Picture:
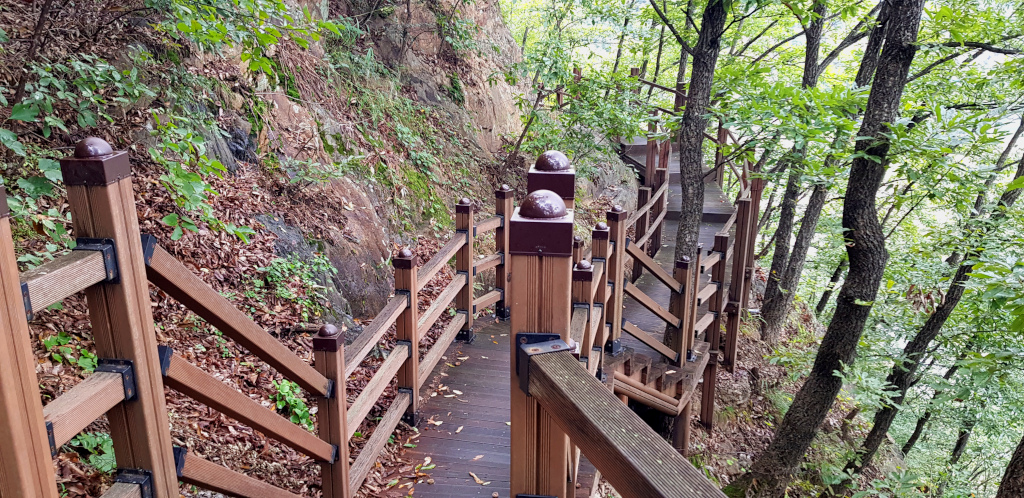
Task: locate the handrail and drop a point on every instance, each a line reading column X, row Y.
column 74, row 410
column 488, row 262
column 430, row 360
column 489, row 224
column 179, row 282
column 65, row 276
column 361, row 407
column 634, row 459
column 215, row 477
column 655, row 199
column 427, row 271
column 655, row 225
column 441, row 303
column 364, row 462
column 371, row 335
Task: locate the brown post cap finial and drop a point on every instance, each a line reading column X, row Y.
column 617, row 208
column 92, row 147
column 543, row 204
column 577, row 239
column 405, row 253
column 328, row 330
column 95, row 164
column 504, row 192
column 683, row 262
column 464, row 200
column 403, row 260
column 584, row 265
column 601, row 226
column 552, row 160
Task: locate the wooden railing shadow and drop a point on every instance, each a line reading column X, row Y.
column 112, row 263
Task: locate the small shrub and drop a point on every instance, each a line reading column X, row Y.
column 289, row 403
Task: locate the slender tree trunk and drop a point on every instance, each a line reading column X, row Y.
column 922, row 421
column 1012, row 485
column 962, row 438
column 836, row 275
column 775, row 467
column 693, row 125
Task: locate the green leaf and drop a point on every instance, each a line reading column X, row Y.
column 10, row 140
column 24, row 112
column 170, row 220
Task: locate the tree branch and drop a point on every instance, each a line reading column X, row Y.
column 679, row 38
column 979, row 45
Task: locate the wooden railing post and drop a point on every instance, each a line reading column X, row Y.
column 642, row 224
column 674, row 336
column 99, row 186
column 541, row 248
column 713, row 334
column 600, row 248
column 26, row 467
column 503, row 198
column 577, row 249
column 616, row 276
column 738, row 283
column 464, row 265
column 553, row 171
column 406, row 330
column 756, row 188
column 329, row 359
column 582, row 297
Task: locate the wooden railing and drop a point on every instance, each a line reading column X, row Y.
column 112, row 263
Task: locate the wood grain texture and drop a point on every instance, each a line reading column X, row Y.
column 430, row 359
column 123, row 490
column 634, row 390
column 464, row 265
column 616, row 277
column 74, row 410
column 653, row 267
column 25, row 464
column 332, row 423
column 655, row 224
column 713, row 334
column 447, row 252
column 633, row 291
column 371, row 334
column 578, row 325
column 503, row 201
column 189, row 380
column 368, row 457
column 703, row 324
column 215, row 477
column 488, row 224
column 630, row 455
column 65, row 276
column 179, row 282
column 371, row 393
column 122, row 326
column 706, row 293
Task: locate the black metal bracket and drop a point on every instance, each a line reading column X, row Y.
column 410, row 418
column 127, row 370
column 691, row 356
column 407, row 294
column 408, row 347
column 107, row 249
column 164, row 353
column 148, row 246
column 466, row 233
column 334, row 454
column 533, row 344
column 466, row 335
column 26, row 300
column 143, row 478
column 501, row 312
column 52, row 441
column 613, row 348
column 179, row 460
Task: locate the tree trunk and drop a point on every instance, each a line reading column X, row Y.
column 1013, row 479
column 962, row 438
column 836, row 275
column 866, row 249
column 693, row 125
column 905, row 368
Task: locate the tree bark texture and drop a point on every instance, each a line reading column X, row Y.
column 866, row 249
column 837, row 274
column 1012, row 485
column 694, row 122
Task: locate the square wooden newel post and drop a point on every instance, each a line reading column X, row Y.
column 99, row 184
column 616, row 276
column 329, row 358
column 503, row 198
column 26, row 467
column 553, row 172
column 464, row 266
column 583, row 297
column 406, row 329
column 676, row 337
column 541, row 249
column 599, row 257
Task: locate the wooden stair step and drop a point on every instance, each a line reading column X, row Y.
column 653, row 377
column 637, row 365
column 684, row 380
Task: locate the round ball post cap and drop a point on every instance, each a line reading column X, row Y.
column 92, row 147
column 601, row 226
column 328, row 330
column 577, row 238
column 505, row 187
column 405, row 253
column 464, row 201
column 584, row 265
column 543, row 204
column 616, row 208
column 552, row 160
column 685, row 259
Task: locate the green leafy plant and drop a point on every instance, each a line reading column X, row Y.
column 297, row 280
column 97, row 448
column 288, row 400
column 62, row 351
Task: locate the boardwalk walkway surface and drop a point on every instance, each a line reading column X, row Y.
column 469, row 394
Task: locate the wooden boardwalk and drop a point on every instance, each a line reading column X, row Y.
column 469, row 391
